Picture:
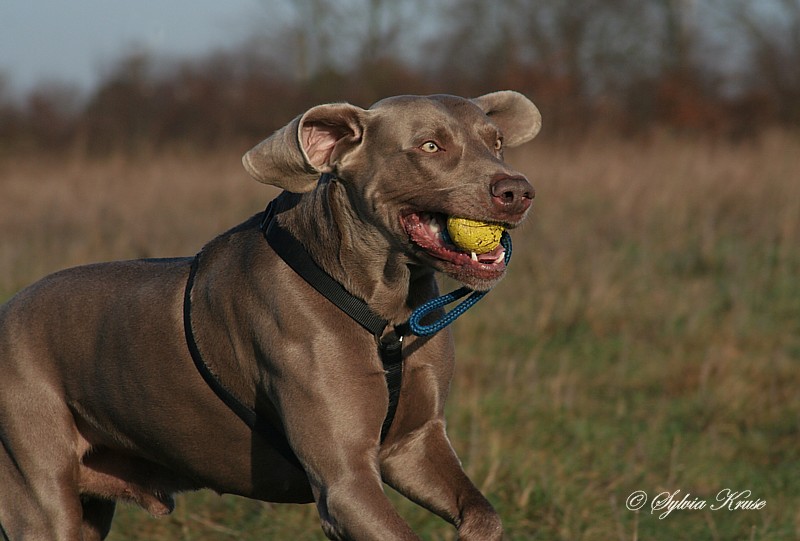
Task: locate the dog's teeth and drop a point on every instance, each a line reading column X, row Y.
column 434, row 227
column 474, row 257
column 500, row 257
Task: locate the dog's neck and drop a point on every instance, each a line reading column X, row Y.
column 353, row 252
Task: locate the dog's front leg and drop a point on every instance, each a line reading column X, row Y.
column 353, row 506
column 424, row 467
column 333, row 429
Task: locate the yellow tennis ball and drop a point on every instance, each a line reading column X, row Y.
column 474, row 236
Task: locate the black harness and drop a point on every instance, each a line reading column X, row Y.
column 390, row 345
column 256, row 423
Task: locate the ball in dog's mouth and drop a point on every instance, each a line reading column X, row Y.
column 428, row 232
column 474, row 236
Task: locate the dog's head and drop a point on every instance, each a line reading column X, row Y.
column 410, row 162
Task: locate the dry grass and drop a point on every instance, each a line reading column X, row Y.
column 646, row 338
column 59, row 213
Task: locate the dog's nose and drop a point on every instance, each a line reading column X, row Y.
column 512, row 195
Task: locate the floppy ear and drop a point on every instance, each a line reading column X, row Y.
column 314, row 143
column 515, row 115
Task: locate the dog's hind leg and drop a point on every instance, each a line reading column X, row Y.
column 38, row 503
column 38, row 465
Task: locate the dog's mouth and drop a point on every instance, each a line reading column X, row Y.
column 428, row 231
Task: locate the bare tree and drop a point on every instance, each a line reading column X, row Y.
column 772, row 30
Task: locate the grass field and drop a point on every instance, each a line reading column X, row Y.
column 647, row 336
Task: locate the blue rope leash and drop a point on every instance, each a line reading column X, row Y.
column 432, row 305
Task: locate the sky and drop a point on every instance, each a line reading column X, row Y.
column 72, row 41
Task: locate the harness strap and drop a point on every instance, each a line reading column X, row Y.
column 390, row 347
column 296, row 256
column 391, row 352
column 257, row 424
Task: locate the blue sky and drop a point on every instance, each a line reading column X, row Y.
column 73, row 40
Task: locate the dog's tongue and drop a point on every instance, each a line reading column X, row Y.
column 493, row 255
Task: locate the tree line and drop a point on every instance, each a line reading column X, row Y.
column 720, row 67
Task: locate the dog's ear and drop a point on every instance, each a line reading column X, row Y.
column 316, row 142
column 516, row 116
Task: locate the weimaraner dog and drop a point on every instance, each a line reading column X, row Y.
column 135, row 380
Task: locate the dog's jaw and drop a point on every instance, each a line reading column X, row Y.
column 430, row 244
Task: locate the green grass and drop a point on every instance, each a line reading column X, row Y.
column 647, row 337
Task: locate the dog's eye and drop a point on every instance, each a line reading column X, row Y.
column 498, row 145
column 430, row 146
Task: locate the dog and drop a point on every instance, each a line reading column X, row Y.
column 231, row 371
